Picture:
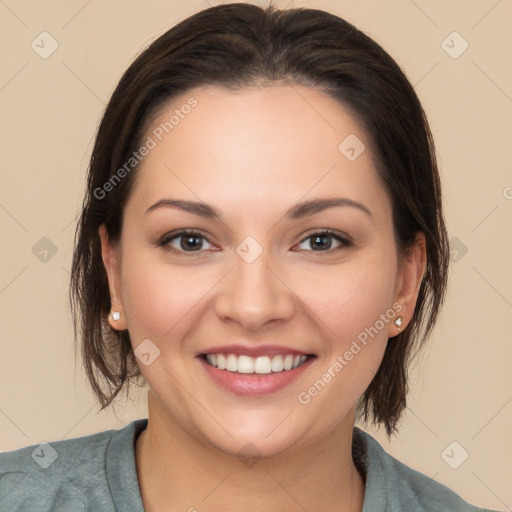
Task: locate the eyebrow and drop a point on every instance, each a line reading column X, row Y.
column 298, row 211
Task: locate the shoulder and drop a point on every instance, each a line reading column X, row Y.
column 396, row 487
column 71, row 474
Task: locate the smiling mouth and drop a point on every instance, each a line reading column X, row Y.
column 261, row 365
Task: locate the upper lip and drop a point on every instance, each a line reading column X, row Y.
column 254, row 350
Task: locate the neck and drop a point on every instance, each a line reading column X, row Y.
column 179, row 472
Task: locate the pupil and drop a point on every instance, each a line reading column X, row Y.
column 186, row 245
column 321, row 244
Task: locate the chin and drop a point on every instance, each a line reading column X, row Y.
column 271, row 433
column 258, row 445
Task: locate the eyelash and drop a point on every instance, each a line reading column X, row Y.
column 166, row 239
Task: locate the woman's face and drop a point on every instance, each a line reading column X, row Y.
column 259, row 283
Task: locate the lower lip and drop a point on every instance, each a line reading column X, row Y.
column 253, row 384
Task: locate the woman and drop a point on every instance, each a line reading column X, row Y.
column 262, row 242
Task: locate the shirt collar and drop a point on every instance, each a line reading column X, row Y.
column 121, row 468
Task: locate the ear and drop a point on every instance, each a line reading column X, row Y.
column 410, row 275
column 112, row 262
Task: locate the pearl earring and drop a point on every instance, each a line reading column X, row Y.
column 398, row 322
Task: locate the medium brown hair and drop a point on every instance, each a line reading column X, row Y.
column 234, row 46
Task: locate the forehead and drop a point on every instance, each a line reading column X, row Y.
column 262, row 144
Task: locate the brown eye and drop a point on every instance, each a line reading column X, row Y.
column 184, row 241
column 323, row 241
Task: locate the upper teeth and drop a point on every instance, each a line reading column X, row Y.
column 261, row 365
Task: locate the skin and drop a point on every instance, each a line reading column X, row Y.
column 252, row 155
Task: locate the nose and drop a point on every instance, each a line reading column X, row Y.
column 254, row 295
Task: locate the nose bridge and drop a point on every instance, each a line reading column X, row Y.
column 253, row 294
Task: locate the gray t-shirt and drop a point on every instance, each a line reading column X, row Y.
column 97, row 473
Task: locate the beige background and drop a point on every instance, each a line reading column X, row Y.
column 461, row 386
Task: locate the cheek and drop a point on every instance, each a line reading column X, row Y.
column 351, row 298
column 354, row 305
column 158, row 297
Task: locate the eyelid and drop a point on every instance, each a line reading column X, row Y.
column 343, row 236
